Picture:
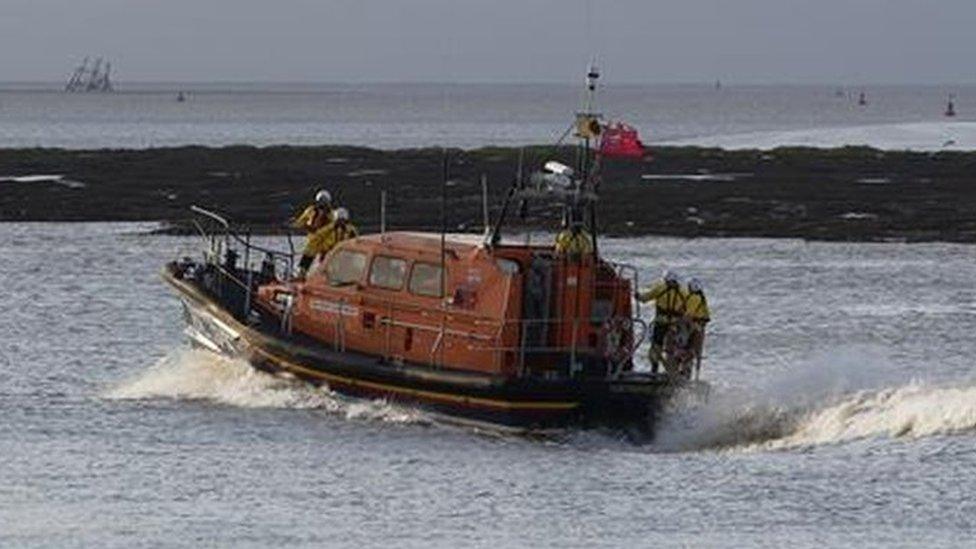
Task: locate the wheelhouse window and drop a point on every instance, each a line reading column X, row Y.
column 388, row 272
column 425, row 279
column 507, row 266
column 345, row 267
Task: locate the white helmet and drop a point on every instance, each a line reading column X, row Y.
column 694, row 285
column 340, row 214
column 323, row 197
column 671, row 277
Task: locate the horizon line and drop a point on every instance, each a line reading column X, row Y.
column 611, row 84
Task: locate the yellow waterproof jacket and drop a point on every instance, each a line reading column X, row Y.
column 324, row 239
column 668, row 300
column 312, row 219
column 696, row 307
column 579, row 243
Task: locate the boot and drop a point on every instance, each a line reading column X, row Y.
column 304, row 264
column 655, row 359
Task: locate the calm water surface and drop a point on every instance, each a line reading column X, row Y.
column 416, row 115
column 843, row 415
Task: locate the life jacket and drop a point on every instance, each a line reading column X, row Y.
column 312, row 218
column 669, row 301
column 344, row 232
column 696, row 307
column 323, row 240
column 579, row 243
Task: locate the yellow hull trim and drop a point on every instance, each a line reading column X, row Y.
column 494, row 403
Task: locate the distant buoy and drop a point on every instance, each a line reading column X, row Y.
column 862, row 99
column 180, row 97
column 950, row 108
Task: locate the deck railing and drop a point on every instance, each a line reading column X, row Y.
column 219, row 243
column 492, row 340
column 496, row 336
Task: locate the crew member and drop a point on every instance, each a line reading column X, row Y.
column 669, row 303
column 313, row 218
column 696, row 311
column 323, row 240
column 317, row 214
column 574, row 242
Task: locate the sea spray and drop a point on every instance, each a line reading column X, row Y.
column 194, row 374
column 200, row 375
column 914, row 410
column 803, row 406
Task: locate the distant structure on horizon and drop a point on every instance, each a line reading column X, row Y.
column 91, row 77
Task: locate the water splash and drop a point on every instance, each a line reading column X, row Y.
column 827, row 401
column 912, row 411
column 193, row 374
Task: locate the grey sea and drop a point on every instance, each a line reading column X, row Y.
column 843, row 414
column 389, row 116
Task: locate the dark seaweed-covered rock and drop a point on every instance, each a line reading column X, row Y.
column 849, row 193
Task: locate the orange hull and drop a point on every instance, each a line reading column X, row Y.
column 468, row 355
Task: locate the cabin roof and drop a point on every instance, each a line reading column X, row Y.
column 431, row 242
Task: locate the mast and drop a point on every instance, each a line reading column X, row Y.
column 574, row 187
column 588, row 129
column 93, row 77
column 74, row 83
column 105, row 84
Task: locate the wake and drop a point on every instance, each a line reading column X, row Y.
column 192, row 374
column 786, row 416
column 912, row 411
column 819, row 404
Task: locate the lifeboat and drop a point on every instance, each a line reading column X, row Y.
column 512, row 335
column 475, row 329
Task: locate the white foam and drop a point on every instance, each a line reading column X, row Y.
column 202, row 375
column 917, row 136
column 57, row 179
column 696, row 177
column 847, row 396
column 858, row 216
column 913, row 411
column 198, row 374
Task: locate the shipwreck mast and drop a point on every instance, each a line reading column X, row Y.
column 75, row 82
column 91, row 77
column 105, row 83
column 92, row 84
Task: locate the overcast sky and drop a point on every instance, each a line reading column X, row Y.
column 756, row 41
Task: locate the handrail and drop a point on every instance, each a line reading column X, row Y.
column 212, row 215
column 491, row 339
column 489, row 332
column 233, row 234
column 229, row 235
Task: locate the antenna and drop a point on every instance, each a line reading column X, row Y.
column 484, row 203
column 592, row 75
column 382, row 212
column 447, row 174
